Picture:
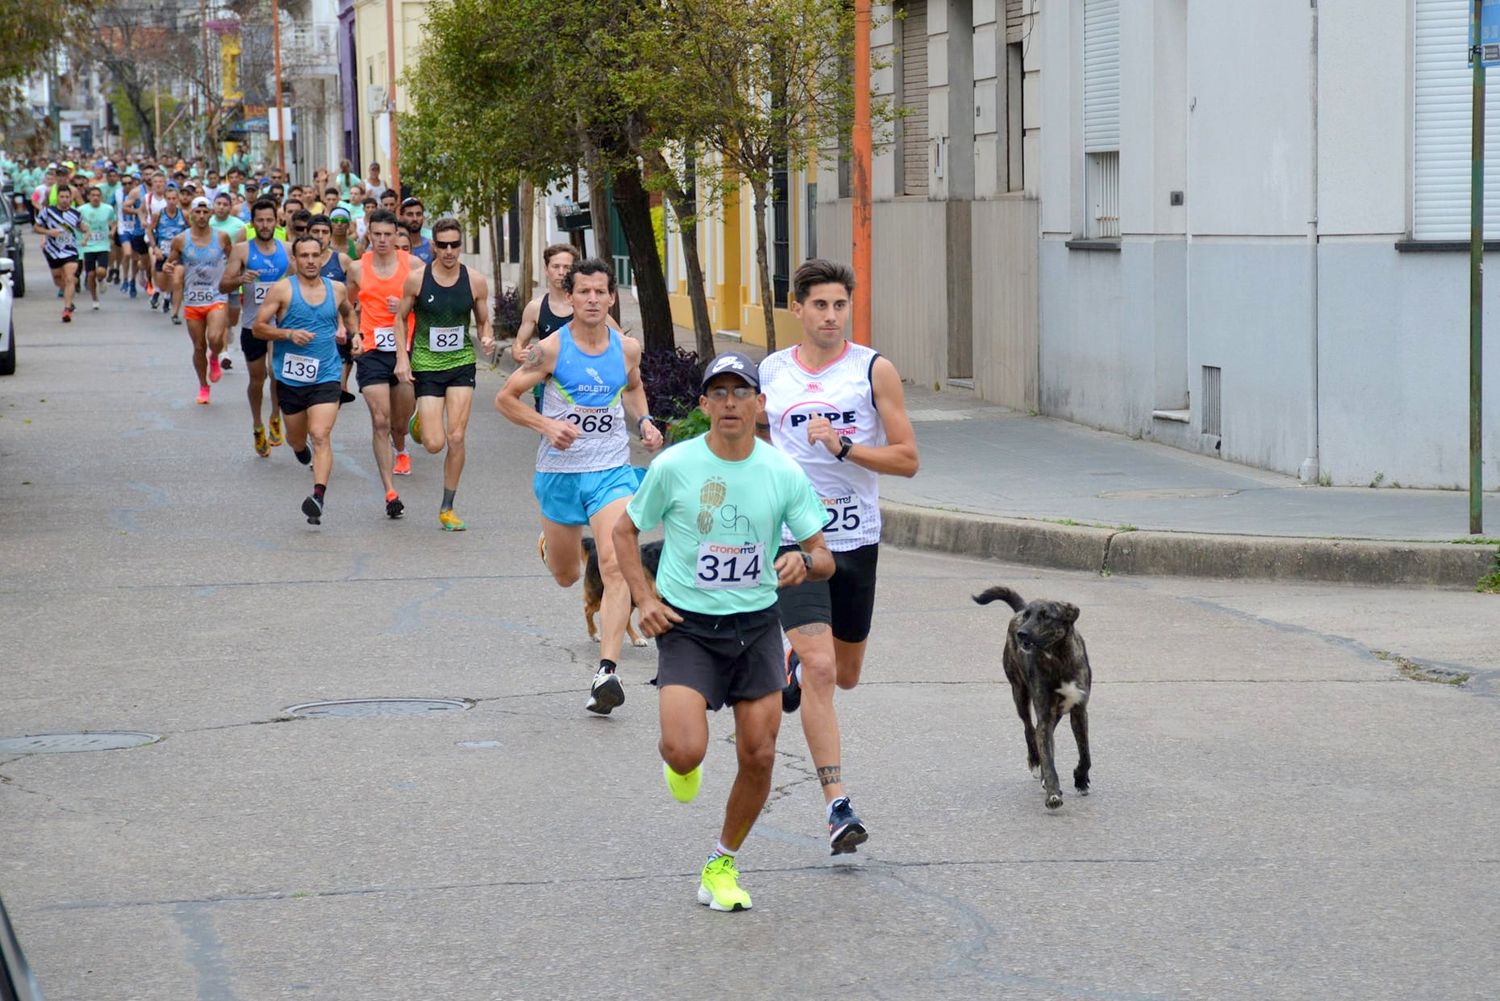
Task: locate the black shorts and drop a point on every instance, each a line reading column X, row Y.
column 255, row 349
column 138, row 243
column 846, row 601
column 119, row 239
column 56, row 263
column 295, row 399
column 437, row 383
column 724, row 658
column 96, row 260
column 376, row 368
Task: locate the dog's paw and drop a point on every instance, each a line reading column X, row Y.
column 638, row 641
column 1036, row 770
column 1054, row 800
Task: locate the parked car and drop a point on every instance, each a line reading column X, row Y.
column 7, row 321
column 15, row 223
column 17, row 982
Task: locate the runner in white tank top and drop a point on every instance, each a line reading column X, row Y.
column 839, row 410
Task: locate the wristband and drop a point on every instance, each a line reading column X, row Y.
column 639, row 421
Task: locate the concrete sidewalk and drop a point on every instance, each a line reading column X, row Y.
column 1037, row 490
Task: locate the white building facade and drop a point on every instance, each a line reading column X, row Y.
column 1254, row 224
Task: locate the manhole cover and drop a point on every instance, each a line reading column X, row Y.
column 64, row 743
column 366, row 708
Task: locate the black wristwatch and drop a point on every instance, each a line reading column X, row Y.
column 847, row 444
column 806, row 559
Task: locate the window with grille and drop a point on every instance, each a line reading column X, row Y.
column 911, row 61
column 1101, row 117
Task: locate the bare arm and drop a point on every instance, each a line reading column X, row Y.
column 790, row 570
column 898, row 456
column 479, row 287
column 278, row 297
column 346, row 307
column 527, row 330
column 522, row 381
column 656, row 616
column 234, row 269
column 410, row 289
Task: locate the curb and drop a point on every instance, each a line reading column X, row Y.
column 1186, row 554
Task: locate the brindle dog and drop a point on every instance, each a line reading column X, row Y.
column 593, row 586
column 1048, row 669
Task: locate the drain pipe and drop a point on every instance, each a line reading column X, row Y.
column 1310, row 470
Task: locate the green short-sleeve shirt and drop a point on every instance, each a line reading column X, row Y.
column 722, row 522
column 98, row 220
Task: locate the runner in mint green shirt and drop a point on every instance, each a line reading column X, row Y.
column 100, row 219
column 722, row 499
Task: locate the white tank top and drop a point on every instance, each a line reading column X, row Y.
column 841, row 392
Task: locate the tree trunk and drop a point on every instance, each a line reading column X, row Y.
column 634, row 205
column 526, row 209
column 687, row 223
column 763, row 264
column 497, row 258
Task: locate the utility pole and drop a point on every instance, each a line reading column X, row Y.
column 156, row 100
column 208, row 113
column 861, row 169
column 390, row 93
column 1476, row 283
column 280, row 118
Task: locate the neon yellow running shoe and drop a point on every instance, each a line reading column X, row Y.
column 450, row 521
column 684, row 788
column 719, row 888
column 262, row 449
column 414, row 427
column 275, row 436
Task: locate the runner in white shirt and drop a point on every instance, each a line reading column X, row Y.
column 839, row 410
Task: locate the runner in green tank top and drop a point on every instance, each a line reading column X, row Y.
column 441, row 363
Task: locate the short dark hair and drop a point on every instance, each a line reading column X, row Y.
column 302, row 216
column 589, row 266
column 263, row 205
column 446, row 223
column 558, row 248
column 293, row 200
column 304, row 238
column 382, row 216
column 332, row 189
column 224, row 195
column 820, row 271
column 320, row 220
column 411, row 200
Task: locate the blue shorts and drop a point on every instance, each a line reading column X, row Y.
column 574, row 498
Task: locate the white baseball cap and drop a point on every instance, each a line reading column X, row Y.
column 200, row 203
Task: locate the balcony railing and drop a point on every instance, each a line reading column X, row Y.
column 310, row 50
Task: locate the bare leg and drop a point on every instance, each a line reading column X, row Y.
column 755, row 727
column 457, row 403
column 378, row 399
column 614, row 610
column 403, row 404
column 814, row 646
column 684, row 728
column 200, row 350
column 319, row 425
column 257, row 388
column 69, row 282
column 564, row 551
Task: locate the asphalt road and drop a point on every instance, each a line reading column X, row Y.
column 1279, row 812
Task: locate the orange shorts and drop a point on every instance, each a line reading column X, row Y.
column 200, row 313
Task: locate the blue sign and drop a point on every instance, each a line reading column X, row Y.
column 1485, row 35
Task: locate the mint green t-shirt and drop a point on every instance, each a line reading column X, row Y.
column 98, row 220
column 722, row 522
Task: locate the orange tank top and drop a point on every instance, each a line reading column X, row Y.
column 376, row 318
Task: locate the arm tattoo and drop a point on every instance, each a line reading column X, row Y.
column 534, row 357
column 829, row 775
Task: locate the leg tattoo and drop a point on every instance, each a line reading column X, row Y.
column 829, row 775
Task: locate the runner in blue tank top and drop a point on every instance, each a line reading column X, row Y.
column 257, row 264
column 300, row 317
column 584, row 476
column 335, row 267
column 165, row 225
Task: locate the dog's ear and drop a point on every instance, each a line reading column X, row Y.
column 1069, row 612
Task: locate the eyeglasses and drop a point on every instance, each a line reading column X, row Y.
column 447, row 244
column 721, row 393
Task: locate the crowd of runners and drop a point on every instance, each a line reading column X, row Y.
column 764, row 593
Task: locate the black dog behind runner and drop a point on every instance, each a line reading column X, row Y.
column 1048, row 669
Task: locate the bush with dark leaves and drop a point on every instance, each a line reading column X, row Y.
column 671, row 379
column 508, row 306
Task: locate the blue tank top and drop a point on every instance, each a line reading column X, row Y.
column 168, row 226
column 129, row 225
column 203, row 270
column 318, row 360
column 334, row 269
column 423, row 251
column 265, row 270
column 585, row 390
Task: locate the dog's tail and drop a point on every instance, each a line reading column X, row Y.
column 1004, row 594
column 588, row 545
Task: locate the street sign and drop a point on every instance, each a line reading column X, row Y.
column 1488, row 35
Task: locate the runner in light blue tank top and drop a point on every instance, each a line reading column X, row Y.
column 317, row 361
column 584, row 390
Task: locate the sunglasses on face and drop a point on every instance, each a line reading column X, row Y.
column 447, row 244
column 721, row 393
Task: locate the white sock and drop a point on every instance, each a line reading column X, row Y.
column 798, row 672
column 719, row 850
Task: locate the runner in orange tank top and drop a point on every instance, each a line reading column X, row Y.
column 376, row 280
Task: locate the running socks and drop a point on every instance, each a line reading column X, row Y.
column 606, row 665
column 448, row 499
column 720, row 852
column 319, row 489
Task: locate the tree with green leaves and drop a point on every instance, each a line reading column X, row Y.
column 767, row 92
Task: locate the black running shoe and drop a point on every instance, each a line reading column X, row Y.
column 845, row 832
column 791, row 692
column 393, row 506
column 304, row 456
column 313, row 508
column 606, row 694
